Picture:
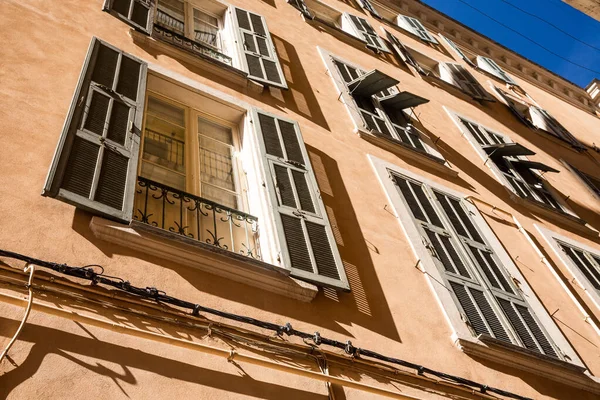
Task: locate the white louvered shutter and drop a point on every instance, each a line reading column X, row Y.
column 542, row 120
column 416, row 27
column 366, row 32
column 458, row 51
column 307, row 243
column 259, row 57
column 95, row 163
column 490, row 66
column 301, row 6
column 462, row 253
column 137, row 13
column 587, row 263
column 366, row 4
column 459, row 76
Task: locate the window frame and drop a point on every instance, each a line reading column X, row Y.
column 553, row 239
column 349, row 26
column 500, row 176
column 404, row 22
column 150, row 4
column 462, row 336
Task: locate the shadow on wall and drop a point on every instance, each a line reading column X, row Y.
column 76, row 348
column 365, row 305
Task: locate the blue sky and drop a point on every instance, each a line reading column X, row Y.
column 558, row 13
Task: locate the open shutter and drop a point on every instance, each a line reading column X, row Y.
column 301, row 6
column 307, row 243
column 137, row 13
column 416, row 27
column 513, row 107
column 542, row 120
column 95, row 163
column 490, row 66
column 258, row 55
column 366, row 4
column 458, row 51
column 459, row 76
column 402, row 52
column 366, row 32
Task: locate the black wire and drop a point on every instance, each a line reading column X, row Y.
column 551, row 24
column 526, row 37
column 160, row 296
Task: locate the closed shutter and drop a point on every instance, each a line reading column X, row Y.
column 490, row 66
column 366, row 4
column 366, row 32
column 95, row 163
column 307, row 243
column 542, row 120
column 584, row 264
column 258, row 55
column 301, row 6
column 457, row 75
column 416, row 27
column 137, row 13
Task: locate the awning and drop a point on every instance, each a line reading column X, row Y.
column 534, row 165
column 507, row 149
column 401, row 101
column 371, row 83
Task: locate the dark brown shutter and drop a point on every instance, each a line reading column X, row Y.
column 137, row 13
column 95, row 163
column 308, row 247
column 257, row 49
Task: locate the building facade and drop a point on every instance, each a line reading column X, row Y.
column 318, row 199
column 589, row 7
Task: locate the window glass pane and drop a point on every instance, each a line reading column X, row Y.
column 170, row 13
column 217, row 175
column 206, row 29
column 164, row 144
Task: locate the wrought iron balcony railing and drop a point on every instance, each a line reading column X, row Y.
column 170, row 30
column 196, row 218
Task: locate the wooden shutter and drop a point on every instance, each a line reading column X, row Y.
column 513, row 108
column 490, row 66
column 542, row 120
column 402, row 52
column 366, row 32
column 458, row 51
column 592, row 182
column 457, row 75
column 416, row 27
column 301, row 6
column 137, row 13
column 584, row 264
column 307, row 243
column 258, row 55
column 366, row 4
column 95, row 163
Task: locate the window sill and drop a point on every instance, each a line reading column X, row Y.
column 199, row 60
column 457, row 90
column 342, row 34
column 402, row 150
column 191, row 253
column 565, row 372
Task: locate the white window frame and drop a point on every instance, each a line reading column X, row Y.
column 349, row 27
column 462, row 337
column 358, row 121
column 552, row 238
column 456, row 118
column 490, row 66
column 404, row 22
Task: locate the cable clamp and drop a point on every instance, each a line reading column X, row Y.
column 231, row 355
column 125, row 285
column 152, row 291
column 287, row 329
column 196, row 311
column 484, row 389
column 317, row 338
column 421, row 370
column 349, row 349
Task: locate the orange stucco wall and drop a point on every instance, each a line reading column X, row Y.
column 391, row 308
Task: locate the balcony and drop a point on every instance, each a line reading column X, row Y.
column 171, row 30
column 196, row 218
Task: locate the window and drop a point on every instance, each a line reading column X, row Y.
column 239, row 180
column 137, row 13
column 458, row 51
column 492, row 311
column 592, row 182
column 508, row 160
column 582, row 261
column 523, row 107
column 301, row 6
column 362, row 29
column 377, row 107
column 415, row 27
column 366, row 4
column 490, row 66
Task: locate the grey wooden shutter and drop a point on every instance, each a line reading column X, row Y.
column 366, row 4
column 458, row 51
column 307, row 243
column 259, row 57
column 542, row 120
column 416, row 27
column 301, row 6
column 95, row 163
column 137, row 13
column 402, row 52
column 585, row 263
column 513, row 108
column 490, row 66
column 460, row 77
column 515, row 309
column 367, row 33
column 592, row 182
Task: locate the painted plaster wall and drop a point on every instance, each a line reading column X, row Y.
column 390, row 309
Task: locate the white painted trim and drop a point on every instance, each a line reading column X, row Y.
column 190, row 253
column 462, row 336
column 551, row 238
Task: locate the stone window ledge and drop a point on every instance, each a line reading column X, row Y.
column 208, row 258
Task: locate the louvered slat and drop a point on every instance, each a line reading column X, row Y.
column 441, row 253
column 454, row 220
column 79, row 174
column 462, row 270
column 96, row 114
column 243, row 20
column 139, row 14
column 322, row 252
column 113, row 177
column 536, row 330
column 518, row 325
column 583, row 265
column 118, row 123
column 284, row 185
column 270, row 135
column 490, row 315
column 498, row 272
column 129, row 76
column 303, row 191
column 291, row 143
column 409, row 197
column 105, row 66
column 296, row 243
column 470, row 309
column 490, row 275
column 468, row 223
column 426, row 204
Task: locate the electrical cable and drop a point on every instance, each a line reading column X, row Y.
column 160, row 296
column 551, row 24
column 525, row 37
